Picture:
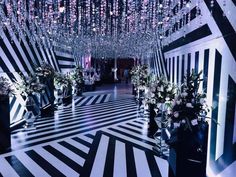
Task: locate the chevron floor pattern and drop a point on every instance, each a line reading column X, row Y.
column 107, row 138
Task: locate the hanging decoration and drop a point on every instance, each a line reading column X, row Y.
column 105, row 28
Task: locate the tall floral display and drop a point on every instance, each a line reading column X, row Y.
column 188, row 129
column 5, row 135
column 77, row 77
column 140, row 79
column 64, row 82
column 30, row 88
column 46, row 74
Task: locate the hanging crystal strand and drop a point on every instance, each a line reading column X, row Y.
column 212, row 6
column 224, row 8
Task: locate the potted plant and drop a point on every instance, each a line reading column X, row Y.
column 29, row 88
column 5, row 135
column 77, row 77
column 188, row 127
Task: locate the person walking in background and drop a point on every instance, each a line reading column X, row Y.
column 126, row 75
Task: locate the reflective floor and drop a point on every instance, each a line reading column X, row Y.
column 101, row 133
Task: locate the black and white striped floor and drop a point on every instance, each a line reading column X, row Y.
column 94, row 136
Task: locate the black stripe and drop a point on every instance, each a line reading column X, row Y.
column 169, row 67
column 75, row 133
column 54, row 57
column 72, row 164
column 66, row 66
column 141, row 123
column 90, row 136
column 132, row 136
column 155, row 172
column 177, row 72
column 73, row 149
column 44, row 164
column 79, row 140
column 160, row 60
column 224, row 25
column 109, row 164
column 195, row 35
column 234, row 1
column 53, row 62
column 78, row 122
column 64, row 58
column 205, row 69
column 182, row 69
column 77, row 102
column 46, row 55
column 215, row 102
column 130, row 161
column 158, row 65
column 39, row 51
column 95, row 100
column 173, row 69
column 102, row 100
column 86, row 113
column 134, row 125
column 91, row 156
column 132, row 130
column 84, row 103
column 16, row 112
column 12, row 102
column 196, row 62
column 189, row 64
column 18, row 166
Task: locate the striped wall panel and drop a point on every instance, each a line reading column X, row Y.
column 66, row 61
column 210, row 47
column 18, row 53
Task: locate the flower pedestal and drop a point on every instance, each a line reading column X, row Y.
column 152, row 123
column 32, row 106
column 67, row 95
column 5, row 133
column 133, row 90
column 188, row 152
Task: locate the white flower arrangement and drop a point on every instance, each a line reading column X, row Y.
column 5, row 87
column 28, row 85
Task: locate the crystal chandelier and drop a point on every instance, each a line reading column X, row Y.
column 103, row 28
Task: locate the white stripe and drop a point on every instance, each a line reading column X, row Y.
column 100, row 98
column 59, row 165
column 94, row 124
column 107, row 97
column 85, row 138
column 141, row 163
column 144, row 137
column 33, row 167
column 65, row 62
column 120, row 160
column 91, row 121
column 163, row 166
column 84, row 100
column 91, row 100
column 99, row 162
column 73, row 103
column 129, row 139
column 78, row 145
column 6, row 169
column 73, row 156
